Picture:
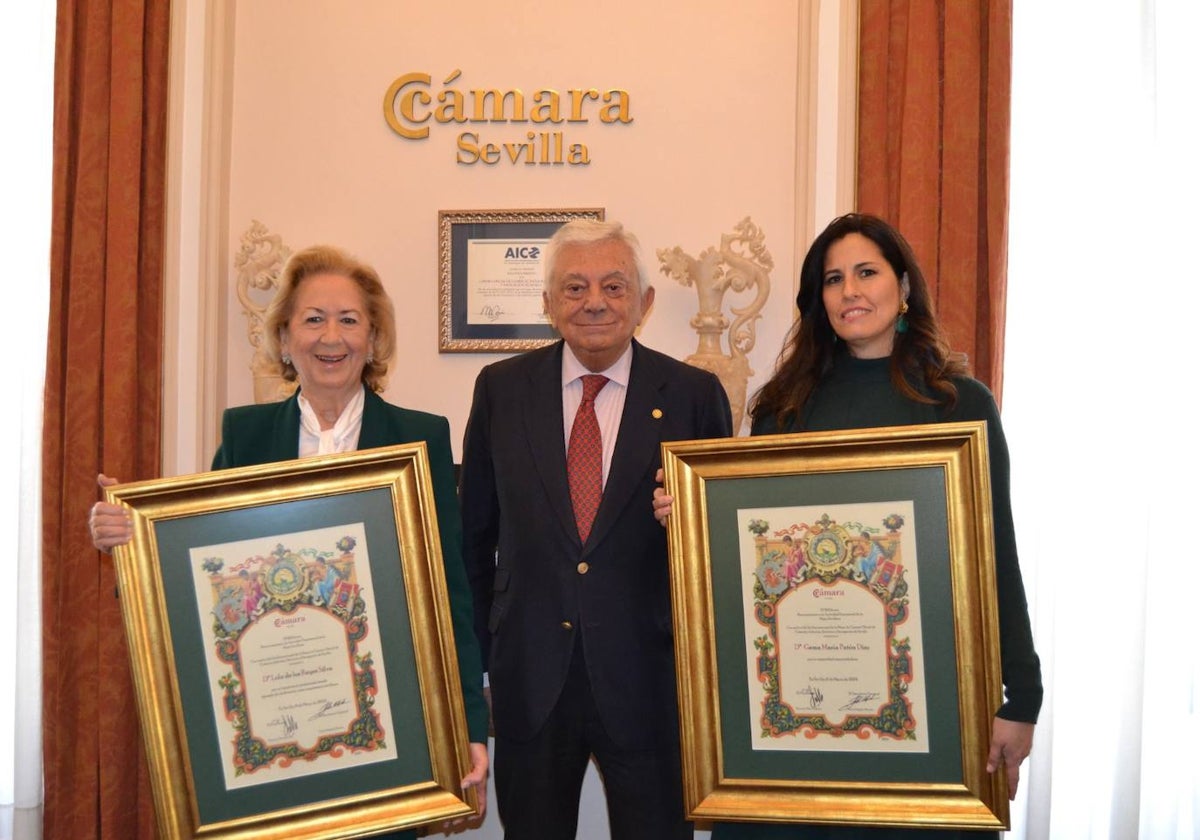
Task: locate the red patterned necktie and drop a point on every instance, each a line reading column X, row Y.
column 585, row 457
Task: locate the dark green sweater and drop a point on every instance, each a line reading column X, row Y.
column 858, row 394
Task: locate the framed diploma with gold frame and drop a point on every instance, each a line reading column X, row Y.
column 292, row 650
column 836, row 627
column 490, row 278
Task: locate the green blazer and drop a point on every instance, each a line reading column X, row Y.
column 262, row 434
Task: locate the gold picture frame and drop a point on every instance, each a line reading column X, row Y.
column 490, row 278
column 867, row 700
column 292, row 651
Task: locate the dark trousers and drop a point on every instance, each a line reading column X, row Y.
column 538, row 782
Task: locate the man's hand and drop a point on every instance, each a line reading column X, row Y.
column 662, row 502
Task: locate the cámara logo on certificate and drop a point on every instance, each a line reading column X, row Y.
column 833, row 628
column 296, row 683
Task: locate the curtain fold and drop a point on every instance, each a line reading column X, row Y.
column 933, row 146
column 103, row 396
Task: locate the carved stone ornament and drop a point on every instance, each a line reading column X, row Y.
column 741, row 263
column 259, row 262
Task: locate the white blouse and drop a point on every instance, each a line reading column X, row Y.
column 343, row 437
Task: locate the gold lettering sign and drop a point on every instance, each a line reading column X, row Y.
column 410, row 105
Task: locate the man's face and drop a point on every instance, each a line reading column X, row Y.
column 594, row 300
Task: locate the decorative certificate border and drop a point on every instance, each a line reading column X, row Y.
column 288, row 623
column 848, row 674
column 490, row 278
column 834, row 647
column 289, row 630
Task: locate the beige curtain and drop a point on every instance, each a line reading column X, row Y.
column 102, row 403
column 933, row 145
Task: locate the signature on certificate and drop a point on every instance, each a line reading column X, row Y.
column 330, row 707
column 859, row 698
column 288, row 723
column 491, row 311
column 815, row 696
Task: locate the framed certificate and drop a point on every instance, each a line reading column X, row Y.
column 490, row 278
column 836, row 627
column 292, row 650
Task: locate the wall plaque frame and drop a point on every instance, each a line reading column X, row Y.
column 490, row 278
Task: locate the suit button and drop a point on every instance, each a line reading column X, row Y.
column 566, row 625
column 582, row 568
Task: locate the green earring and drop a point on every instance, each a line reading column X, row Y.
column 902, row 322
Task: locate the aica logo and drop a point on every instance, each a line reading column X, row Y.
column 522, row 252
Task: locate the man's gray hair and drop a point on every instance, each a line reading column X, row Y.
column 588, row 232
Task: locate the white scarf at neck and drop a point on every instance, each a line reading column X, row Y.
column 343, row 437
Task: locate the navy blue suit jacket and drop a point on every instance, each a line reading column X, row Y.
column 532, row 594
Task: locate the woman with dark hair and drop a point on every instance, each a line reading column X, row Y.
column 331, row 328
column 862, row 296
column 867, row 351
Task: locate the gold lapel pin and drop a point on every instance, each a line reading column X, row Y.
column 656, row 414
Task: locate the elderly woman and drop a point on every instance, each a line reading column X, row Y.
column 868, row 351
column 331, row 328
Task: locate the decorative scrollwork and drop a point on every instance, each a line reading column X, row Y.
column 259, row 262
column 740, row 263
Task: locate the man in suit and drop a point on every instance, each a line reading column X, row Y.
column 567, row 562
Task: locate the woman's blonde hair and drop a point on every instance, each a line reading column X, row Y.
column 326, row 259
